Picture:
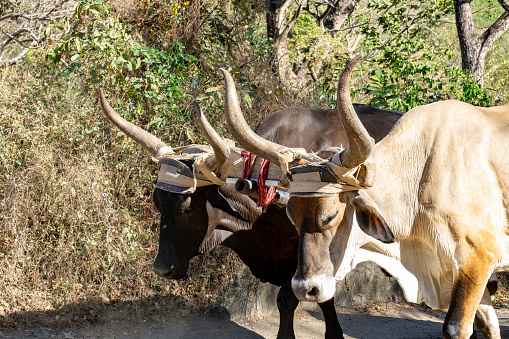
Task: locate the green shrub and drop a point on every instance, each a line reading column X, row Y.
column 108, row 53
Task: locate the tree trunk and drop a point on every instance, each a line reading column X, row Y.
column 277, row 30
column 294, row 76
column 474, row 47
column 340, row 10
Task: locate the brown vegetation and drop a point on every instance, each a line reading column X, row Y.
column 79, row 230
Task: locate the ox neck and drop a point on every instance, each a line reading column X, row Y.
column 399, row 159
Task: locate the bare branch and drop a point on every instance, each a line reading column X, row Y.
column 295, row 16
column 14, row 60
column 504, row 5
column 293, row 20
column 352, row 45
column 24, row 23
column 495, row 31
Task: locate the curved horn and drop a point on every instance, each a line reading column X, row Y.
column 221, row 150
column 239, row 128
column 149, row 142
column 360, row 143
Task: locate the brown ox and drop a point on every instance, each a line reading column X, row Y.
column 429, row 203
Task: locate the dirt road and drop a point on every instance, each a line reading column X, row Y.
column 390, row 321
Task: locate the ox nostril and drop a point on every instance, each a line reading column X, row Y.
column 313, row 292
column 306, row 290
column 163, row 271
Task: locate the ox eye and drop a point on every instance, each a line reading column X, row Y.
column 327, row 220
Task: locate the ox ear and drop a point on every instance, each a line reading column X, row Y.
column 217, row 200
column 369, row 218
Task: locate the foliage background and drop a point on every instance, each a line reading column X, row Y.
column 79, row 231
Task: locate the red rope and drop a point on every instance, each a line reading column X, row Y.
column 265, row 197
column 249, row 160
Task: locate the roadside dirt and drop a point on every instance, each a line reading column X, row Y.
column 387, row 320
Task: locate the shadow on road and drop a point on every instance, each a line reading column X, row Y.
column 159, row 317
column 156, row 317
column 410, row 322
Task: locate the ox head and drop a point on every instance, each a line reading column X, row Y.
column 327, row 203
column 186, row 188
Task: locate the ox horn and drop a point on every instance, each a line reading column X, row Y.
column 360, row 144
column 221, row 149
column 150, row 142
column 239, row 128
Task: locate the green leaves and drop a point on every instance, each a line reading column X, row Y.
column 96, row 7
column 416, row 69
column 247, row 99
column 379, row 88
column 106, row 53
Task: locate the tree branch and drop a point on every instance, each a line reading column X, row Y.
column 352, row 45
column 284, row 6
column 25, row 25
column 14, row 60
column 293, row 20
column 495, row 31
column 504, row 5
column 328, row 10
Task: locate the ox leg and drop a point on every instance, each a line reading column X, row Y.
column 462, row 309
column 332, row 327
column 486, row 319
column 287, row 302
column 469, row 288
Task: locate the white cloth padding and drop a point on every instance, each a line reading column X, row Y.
column 310, row 182
column 169, row 175
column 165, row 150
column 202, row 167
column 287, row 155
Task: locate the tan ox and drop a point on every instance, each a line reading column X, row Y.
column 429, row 203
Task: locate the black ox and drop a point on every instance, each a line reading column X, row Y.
column 193, row 224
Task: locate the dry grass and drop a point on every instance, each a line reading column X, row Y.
column 158, row 22
column 79, row 231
